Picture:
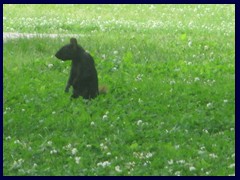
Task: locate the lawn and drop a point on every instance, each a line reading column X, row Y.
column 170, row 106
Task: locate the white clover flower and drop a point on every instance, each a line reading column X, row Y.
column 54, row 151
column 109, row 153
column 172, row 82
column 34, row 165
column 189, row 43
column 17, row 164
column 231, row 165
column 114, row 69
column 17, row 142
column 177, row 173
column 130, row 164
column 88, row 145
column 139, row 122
column 104, row 56
column 212, row 155
column 117, row 168
column 177, row 146
column 104, row 164
column 152, row 7
column 201, row 152
column 146, row 163
column 69, row 146
column 115, row 52
column 170, row 162
column 103, row 147
column 99, row 164
column 209, row 105
column 50, row 65
column 49, row 143
column 53, row 112
column 192, row 168
column 205, row 130
column 21, row 161
column 92, row 123
column 77, row 159
column 74, row 151
column 170, row 170
column 181, row 162
column 149, row 155
column 105, row 117
column 8, row 138
column 140, row 101
column 23, row 110
column 225, row 100
column 196, row 79
column 139, row 77
column 206, row 47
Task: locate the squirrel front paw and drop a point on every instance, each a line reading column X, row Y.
column 74, row 96
column 67, row 89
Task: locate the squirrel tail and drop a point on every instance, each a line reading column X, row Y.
column 102, row 89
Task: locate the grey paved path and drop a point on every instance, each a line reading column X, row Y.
column 10, row 35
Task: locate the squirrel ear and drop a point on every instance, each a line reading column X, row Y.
column 73, row 41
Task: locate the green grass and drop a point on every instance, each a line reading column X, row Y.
column 170, row 109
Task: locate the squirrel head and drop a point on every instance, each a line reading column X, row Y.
column 69, row 51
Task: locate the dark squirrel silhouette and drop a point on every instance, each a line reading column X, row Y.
column 83, row 75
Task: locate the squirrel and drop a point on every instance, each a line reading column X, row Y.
column 83, row 74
